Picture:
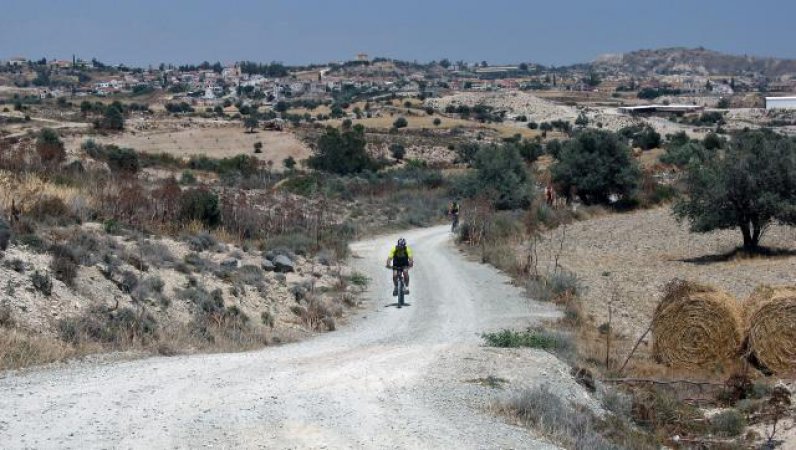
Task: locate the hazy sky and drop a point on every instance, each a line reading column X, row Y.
column 142, row 32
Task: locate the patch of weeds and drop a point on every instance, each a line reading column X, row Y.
column 6, row 316
column 201, row 242
column 657, row 410
column 617, row 402
column 292, row 244
column 198, row 263
column 118, row 327
column 728, row 423
column 15, row 264
column 567, row 426
column 64, row 264
column 32, row 241
column 564, row 284
column 760, row 389
column 267, row 319
column 156, row 253
column 540, row 339
column 490, row 381
column 150, row 288
column 86, row 248
column 359, row 279
column 111, row 226
column 555, row 287
column 128, row 282
column 251, row 275
column 503, row 257
column 42, row 282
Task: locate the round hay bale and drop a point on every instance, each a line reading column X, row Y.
column 696, row 326
column 771, row 328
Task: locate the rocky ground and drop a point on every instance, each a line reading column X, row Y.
column 166, row 277
column 517, row 103
column 630, row 257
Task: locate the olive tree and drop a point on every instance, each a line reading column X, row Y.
column 501, row 175
column 342, row 152
column 748, row 186
column 597, row 164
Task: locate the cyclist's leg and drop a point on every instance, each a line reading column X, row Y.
column 406, row 277
column 395, row 273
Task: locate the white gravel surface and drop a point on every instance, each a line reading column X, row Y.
column 398, row 378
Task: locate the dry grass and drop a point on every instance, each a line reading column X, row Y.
column 320, row 109
column 20, row 349
column 27, row 188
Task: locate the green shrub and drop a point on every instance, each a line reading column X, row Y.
column 400, row 123
column 342, row 152
column 358, row 279
column 500, row 174
column 397, row 151
column 598, row 165
column 187, row 178
column 682, row 155
column 49, row 146
column 201, row 205
column 111, row 226
column 539, row 339
column 122, row 160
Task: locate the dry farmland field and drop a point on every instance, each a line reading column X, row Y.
column 630, row 257
column 215, row 141
column 427, row 122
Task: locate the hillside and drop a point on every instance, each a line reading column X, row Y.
column 699, row 61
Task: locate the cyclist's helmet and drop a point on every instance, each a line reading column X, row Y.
column 402, row 242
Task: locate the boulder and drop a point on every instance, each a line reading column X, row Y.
column 284, row 264
column 268, row 266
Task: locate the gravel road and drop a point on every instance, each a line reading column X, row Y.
column 396, row 378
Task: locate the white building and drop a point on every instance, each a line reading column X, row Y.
column 780, row 103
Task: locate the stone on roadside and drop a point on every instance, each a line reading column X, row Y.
column 284, row 264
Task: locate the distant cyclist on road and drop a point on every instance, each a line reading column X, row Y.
column 400, row 260
column 453, row 213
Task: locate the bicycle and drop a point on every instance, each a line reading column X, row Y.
column 400, row 285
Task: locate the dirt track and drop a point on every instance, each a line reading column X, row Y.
column 395, row 379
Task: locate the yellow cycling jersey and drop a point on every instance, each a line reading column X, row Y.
column 408, row 252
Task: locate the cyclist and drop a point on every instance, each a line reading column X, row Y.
column 453, row 212
column 400, row 260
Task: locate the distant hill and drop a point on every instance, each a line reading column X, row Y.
column 694, row 61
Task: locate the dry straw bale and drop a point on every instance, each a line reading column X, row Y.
column 771, row 327
column 696, row 326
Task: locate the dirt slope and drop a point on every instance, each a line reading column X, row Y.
column 397, row 379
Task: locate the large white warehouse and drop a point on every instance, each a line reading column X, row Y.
column 780, row 102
